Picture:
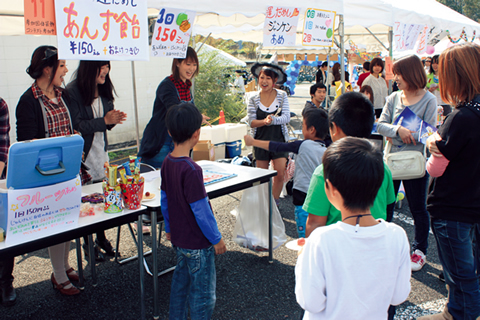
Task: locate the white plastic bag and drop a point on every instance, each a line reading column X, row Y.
column 251, row 227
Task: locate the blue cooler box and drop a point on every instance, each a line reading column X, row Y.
column 233, row 148
column 38, row 163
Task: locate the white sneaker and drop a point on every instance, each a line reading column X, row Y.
column 418, row 259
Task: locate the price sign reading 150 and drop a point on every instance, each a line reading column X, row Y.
column 167, row 19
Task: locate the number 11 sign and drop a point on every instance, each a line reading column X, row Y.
column 172, row 33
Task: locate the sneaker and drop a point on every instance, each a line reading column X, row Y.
column 418, row 259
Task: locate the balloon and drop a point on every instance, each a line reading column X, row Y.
column 401, row 196
column 430, row 49
column 289, row 79
column 293, row 69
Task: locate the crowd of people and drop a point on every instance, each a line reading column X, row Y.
column 355, row 263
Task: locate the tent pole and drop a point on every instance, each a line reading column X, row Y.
column 390, row 52
column 135, row 105
column 341, row 32
column 376, row 38
column 201, row 45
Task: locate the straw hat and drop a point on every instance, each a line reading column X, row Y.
column 258, row 67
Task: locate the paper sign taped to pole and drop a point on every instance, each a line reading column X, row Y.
column 280, row 28
column 102, row 30
column 172, row 32
column 318, row 29
column 39, row 17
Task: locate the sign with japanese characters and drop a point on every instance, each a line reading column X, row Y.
column 39, row 17
column 172, row 32
column 318, row 29
column 39, row 212
column 102, row 29
column 405, row 35
column 280, row 26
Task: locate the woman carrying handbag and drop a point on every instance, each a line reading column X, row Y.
column 411, row 80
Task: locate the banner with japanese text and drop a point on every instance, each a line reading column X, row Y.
column 102, row 29
column 318, row 29
column 172, row 32
column 39, row 212
column 39, row 17
column 280, row 28
column 405, row 35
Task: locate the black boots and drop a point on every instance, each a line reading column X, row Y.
column 9, row 297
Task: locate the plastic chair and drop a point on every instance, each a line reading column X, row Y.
column 295, row 127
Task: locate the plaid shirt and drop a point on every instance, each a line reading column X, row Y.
column 58, row 118
column 4, row 131
column 183, row 88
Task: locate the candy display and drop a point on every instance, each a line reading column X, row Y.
column 93, row 198
column 112, row 191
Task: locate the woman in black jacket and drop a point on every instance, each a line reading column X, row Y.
column 92, row 111
column 156, row 142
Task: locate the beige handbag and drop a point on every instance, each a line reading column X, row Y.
column 405, row 165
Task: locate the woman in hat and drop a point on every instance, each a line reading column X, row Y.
column 268, row 115
column 42, row 113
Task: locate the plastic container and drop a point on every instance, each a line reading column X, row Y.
column 219, row 151
column 216, row 134
column 233, row 148
column 234, row 131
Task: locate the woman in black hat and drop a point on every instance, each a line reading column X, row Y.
column 268, row 115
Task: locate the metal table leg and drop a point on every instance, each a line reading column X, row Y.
column 140, row 264
column 91, row 258
column 81, row 283
column 270, row 240
column 153, row 217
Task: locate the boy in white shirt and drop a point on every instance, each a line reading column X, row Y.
column 341, row 271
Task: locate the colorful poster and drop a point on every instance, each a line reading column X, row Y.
column 405, row 35
column 102, row 29
column 39, row 212
column 172, row 33
column 39, row 16
column 319, row 27
column 421, row 129
column 280, row 28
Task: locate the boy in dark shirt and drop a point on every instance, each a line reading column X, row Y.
column 189, row 221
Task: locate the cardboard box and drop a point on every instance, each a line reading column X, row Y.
column 204, row 150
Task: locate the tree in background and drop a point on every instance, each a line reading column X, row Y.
column 213, row 89
column 469, row 8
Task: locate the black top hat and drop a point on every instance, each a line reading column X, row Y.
column 258, row 67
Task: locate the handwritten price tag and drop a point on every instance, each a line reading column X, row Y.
column 172, row 32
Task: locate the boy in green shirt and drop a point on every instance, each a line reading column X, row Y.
column 350, row 115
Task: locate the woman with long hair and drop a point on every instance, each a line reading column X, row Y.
column 41, row 113
column 411, row 80
column 268, row 114
column 454, row 191
column 156, row 142
column 91, row 107
column 378, row 85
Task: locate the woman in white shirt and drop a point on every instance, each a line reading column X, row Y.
column 378, row 85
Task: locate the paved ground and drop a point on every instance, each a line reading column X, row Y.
column 248, row 287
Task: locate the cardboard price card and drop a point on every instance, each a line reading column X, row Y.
column 318, row 29
column 40, row 212
column 102, row 30
column 280, row 28
column 39, row 16
column 172, row 32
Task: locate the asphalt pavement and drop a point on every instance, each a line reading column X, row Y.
column 248, row 286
